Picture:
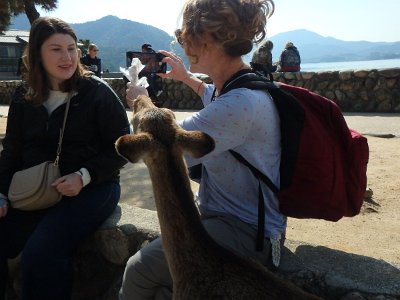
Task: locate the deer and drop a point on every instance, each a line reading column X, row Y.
column 199, row 266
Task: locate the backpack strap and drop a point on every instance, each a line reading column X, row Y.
column 291, row 123
column 290, row 145
column 261, row 204
column 251, row 80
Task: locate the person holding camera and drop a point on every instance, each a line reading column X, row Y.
column 215, row 35
column 150, row 63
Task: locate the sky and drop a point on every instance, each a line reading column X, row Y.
column 348, row 20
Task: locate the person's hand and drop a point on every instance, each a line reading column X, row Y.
column 3, row 207
column 132, row 92
column 178, row 69
column 69, row 185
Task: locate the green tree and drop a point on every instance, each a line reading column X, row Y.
column 11, row 8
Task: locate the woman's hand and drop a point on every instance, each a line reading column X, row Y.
column 3, row 207
column 132, row 92
column 179, row 72
column 178, row 69
column 69, row 185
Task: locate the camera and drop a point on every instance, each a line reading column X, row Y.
column 151, row 61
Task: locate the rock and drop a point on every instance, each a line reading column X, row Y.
column 368, row 193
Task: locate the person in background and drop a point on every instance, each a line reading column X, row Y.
column 154, row 89
column 262, row 59
column 215, row 35
column 91, row 61
column 89, row 163
column 22, row 68
column 289, row 60
column 79, row 53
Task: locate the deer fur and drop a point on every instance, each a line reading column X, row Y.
column 200, row 268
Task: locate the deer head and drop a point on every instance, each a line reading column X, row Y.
column 156, row 130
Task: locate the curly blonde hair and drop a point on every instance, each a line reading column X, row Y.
column 234, row 24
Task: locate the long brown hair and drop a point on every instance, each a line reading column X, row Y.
column 39, row 84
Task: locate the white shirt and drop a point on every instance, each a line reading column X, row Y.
column 247, row 122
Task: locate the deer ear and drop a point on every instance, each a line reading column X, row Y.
column 196, row 143
column 133, row 146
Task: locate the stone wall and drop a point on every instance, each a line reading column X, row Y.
column 355, row 90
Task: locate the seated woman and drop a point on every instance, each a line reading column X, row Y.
column 262, row 59
column 290, row 60
column 215, row 35
column 89, row 163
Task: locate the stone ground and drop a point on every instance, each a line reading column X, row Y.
column 374, row 233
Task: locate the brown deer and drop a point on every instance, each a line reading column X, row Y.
column 200, row 268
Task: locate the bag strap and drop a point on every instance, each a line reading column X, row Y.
column 60, row 139
column 257, row 173
column 252, row 80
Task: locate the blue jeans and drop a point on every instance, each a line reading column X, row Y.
column 49, row 239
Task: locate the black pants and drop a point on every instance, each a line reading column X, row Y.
column 155, row 85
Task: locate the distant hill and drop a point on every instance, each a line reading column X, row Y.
column 316, row 48
column 115, row 36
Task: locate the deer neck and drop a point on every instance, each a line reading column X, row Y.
column 183, row 235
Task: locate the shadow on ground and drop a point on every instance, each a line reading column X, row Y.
column 334, row 273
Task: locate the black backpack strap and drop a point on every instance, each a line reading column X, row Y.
column 261, row 205
column 291, row 116
column 257, row 173
column 251, row 80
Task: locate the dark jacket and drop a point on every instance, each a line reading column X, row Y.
column 92, row 64
column 96, row 119
column 290, row 60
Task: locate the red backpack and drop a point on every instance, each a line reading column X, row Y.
column 323, row 162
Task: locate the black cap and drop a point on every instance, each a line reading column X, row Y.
column 146, row 46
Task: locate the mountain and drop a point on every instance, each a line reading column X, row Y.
column 115, row 36
column 315, row 48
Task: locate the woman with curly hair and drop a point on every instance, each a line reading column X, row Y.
column 215, row 34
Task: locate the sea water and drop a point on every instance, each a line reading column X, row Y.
column 351, row 65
